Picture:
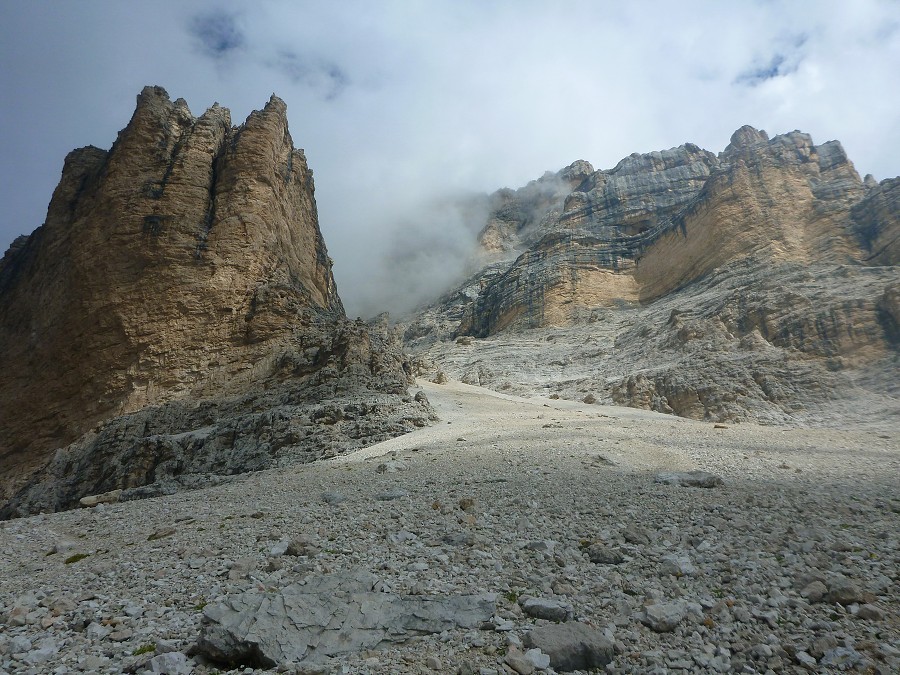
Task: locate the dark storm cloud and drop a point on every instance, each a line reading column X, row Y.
column 325, row 77
column 216, row 32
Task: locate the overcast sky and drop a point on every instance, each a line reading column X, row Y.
column 402, row 105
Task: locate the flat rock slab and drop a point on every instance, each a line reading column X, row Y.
column 572, row 646
column 701, row 479
column 327, row 615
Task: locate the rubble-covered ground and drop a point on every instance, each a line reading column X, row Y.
column 516, row 524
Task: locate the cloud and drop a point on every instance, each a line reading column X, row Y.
column 775, row 68
column 216, row 32
column 323, row 76
column 403, row 106
column 780, row 64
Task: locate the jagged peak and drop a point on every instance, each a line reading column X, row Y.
column 275, row 105
column 662, row 159
column 747, row 135
column 152, row 92
column 577, row 171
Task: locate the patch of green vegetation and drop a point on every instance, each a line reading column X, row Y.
column 75, row 558
column 143, row 649
column 200, row 605
column 511, row 596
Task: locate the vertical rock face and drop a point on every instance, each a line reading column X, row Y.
column 876, row 221
column 725, row 286
column 184, row 263
column 661, row 220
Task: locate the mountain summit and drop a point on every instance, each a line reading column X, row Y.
column 759, row 283
column 183, row 265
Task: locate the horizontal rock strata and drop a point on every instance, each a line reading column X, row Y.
column 757, row 283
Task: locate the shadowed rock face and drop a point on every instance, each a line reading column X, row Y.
column 184, row 263
column 726, row 286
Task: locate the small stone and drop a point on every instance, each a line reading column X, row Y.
column 165, row 646
column 391, row 495
column 161, row 533
column 822, row 644
column 842, row 658
column 97, row 632
column 805, row 660
column 17, row 616
column 700, row 479
column 814, row 592
column 517, row 661
column 604, row 555
column 106, row 498
column 467, row 504
column 93, row 663
column 302, row 545
column 19, row 644
column 636, row 535
column 240, row 569
column 434, row 663
column 539, row 659
column 459, row 538
column 842, row 590
column 171, row 663
column 678, row 566
column 572, row 646
column 121, row 635
column 38, row 656
column 664, row 617
column 279, row 548
column 333, row 497
column 870, row 612
column 543, row 608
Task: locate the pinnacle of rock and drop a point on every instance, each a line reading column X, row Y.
column 185, row 264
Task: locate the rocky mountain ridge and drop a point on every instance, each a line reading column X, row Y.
column 176, row 313
column 760, row 283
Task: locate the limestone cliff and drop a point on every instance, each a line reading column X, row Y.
column 743, row 284
column 185, row 264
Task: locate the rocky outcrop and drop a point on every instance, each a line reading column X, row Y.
column 325, row 616
column 180, row 277
column 658, row 221
column 876, row 220
column 752, row 284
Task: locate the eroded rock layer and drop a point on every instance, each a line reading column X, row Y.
column 754, row 283
column 183, row 265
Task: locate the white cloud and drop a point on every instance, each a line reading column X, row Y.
column 399, row 104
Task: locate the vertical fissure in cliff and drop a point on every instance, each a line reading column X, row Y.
column 210, row 215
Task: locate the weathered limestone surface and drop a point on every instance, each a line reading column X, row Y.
column 876, row 220
column 328, row 615
column 185, row 264
column 758, row 283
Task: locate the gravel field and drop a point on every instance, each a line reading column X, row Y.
column 551, row 509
